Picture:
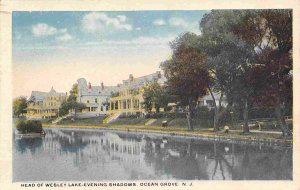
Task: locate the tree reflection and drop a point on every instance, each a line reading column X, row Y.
column 155, row 157
column 28, row 143
column 219, row 160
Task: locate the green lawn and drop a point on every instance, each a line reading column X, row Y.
column 129, row 121
column 95, row 121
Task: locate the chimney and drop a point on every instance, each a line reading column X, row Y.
column 131, row 77
column 102, row 86
column 89, row 87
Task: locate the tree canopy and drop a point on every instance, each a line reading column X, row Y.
column 157, row 95
column 71, row 103
column 19, row 106
column 187, row 73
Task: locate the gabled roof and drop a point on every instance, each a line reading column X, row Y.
column 98, row 90
column 37, row 96
column 40, row 96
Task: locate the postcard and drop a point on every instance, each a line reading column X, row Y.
column 145, row 95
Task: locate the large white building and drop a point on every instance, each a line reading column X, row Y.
column 96, row 98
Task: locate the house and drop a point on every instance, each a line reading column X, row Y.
column 96, row 98
column 129, row 98
column 44, row 104
column 207, row 100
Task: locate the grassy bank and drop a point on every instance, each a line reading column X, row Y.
column 177, row 126
column 208, row 133
column 181, row 131
column 94, row 121
column 98, row 121
column 128, row 121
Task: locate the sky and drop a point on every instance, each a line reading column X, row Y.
column 56, row 48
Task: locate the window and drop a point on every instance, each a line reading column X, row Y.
column 101, row 108
column 116, row 105
column 87, row 101
column 128, row 104
column 201, row 102
column 209, row 103
column 96, row 100
column 124, row 104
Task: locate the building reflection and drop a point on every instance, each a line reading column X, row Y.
column 156, row 157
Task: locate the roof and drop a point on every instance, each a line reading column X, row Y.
column 216, row 95
column 98, row 91
column 141, row 81
column 37, row 96
column 40, row 96
column 86, row 89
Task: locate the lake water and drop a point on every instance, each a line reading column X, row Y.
column 94, row 155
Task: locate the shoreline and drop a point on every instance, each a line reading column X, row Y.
column 199, row 135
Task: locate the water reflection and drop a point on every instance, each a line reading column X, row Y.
column 73, row 154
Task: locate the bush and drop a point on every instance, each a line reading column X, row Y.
column 29, row 126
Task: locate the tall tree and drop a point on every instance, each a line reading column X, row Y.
column 19, row 106
column 71, row 103
column 148, row 96
column 186, row 73
column 229, row 59
column 270, row 33
column 156, row 95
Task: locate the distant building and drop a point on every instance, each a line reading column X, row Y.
column 207, row 100
column 44, row 104
column 129, row 98
column 96, row 98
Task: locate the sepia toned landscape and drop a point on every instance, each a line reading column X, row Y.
column 140, row 95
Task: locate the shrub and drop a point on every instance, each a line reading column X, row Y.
column 29, row 126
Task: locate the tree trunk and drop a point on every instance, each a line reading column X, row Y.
column 281, row 121
column 245, row 116
column 216, row 120
column 189, row 149
column 216, row 112
column 75, row 114
column 189, row 115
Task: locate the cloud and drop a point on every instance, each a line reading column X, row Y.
column 97, row 22
column 140, row 41
column 138, row 28
column 65, row 37
column 178, row 22
column 64, row 30
column 42, row 29
column 159, row 22
column 122, row 18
